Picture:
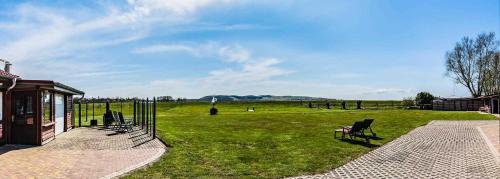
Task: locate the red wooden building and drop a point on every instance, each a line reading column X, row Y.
column 34, row 111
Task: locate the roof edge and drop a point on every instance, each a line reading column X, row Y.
column 69, row 88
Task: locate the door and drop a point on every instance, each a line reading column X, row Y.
column 495, row 107
column 59, row 114
column 23, row 118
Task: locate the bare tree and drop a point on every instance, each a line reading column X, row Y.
column 470, row 63
column 492, row 82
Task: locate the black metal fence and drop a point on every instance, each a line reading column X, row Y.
column 140, row 112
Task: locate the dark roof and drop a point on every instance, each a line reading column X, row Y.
column 6, row 75
column 489, row 96
column 52, row 84
column 69, row 88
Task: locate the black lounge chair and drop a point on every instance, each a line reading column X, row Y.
column 356, row 130
column 120, row 126
column 116, row 121
column 366, row 125
column 126, row 124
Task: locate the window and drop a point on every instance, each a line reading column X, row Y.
column 23, row 105
column 70, row 104
column 29, row 105
column 47, row 107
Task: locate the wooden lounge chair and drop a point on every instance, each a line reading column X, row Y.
column 356, row 130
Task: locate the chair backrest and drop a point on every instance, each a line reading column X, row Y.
column 357, row 127
column 367, row 123
column 116, row 118
column 120, row 115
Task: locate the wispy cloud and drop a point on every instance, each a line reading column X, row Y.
column 166, row 48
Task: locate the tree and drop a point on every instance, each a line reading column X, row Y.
column 492, row 84
column 470, row 63
column 408, row 102
column 424, row 98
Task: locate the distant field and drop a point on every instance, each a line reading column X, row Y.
column 280, row 139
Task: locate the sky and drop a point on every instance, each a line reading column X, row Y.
column 359, row 49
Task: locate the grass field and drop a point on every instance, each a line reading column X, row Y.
column 280, row 139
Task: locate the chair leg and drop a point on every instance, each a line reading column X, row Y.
column 373, row 133
column 334, row 134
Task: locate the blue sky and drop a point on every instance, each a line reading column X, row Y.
column 191, row 48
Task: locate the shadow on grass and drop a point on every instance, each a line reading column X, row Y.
column 376, row 138
column 362, row 143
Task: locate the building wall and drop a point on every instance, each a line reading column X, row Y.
column 465, row 104
column 458, row 104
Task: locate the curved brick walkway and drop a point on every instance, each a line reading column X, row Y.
column 441, row 149
column 81, row 153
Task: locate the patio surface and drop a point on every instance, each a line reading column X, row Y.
column 441, row 149
column 81, row 153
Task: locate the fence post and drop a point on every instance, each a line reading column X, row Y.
column 79, row 114
column 135, row 113
column 142, row 114
column 93, row 110
column 154, row 117
column 86, row 111
column 150, row 116
column 147, row 115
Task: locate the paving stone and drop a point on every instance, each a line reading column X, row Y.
column 81, row 153
column 441, row 149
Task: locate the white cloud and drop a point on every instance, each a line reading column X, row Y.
column 234, row 54
column 260, row 69
column 178, row 7
column 166, row 48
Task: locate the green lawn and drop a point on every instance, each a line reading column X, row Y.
column 278, row 140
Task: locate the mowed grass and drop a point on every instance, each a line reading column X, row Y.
column 278, row 140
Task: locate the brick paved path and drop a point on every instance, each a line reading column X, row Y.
column 81, row 153
column 441, row 149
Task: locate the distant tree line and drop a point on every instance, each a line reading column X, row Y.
column 475, row 63
column 128, row 99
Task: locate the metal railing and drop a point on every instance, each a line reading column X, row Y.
column 141, row 112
